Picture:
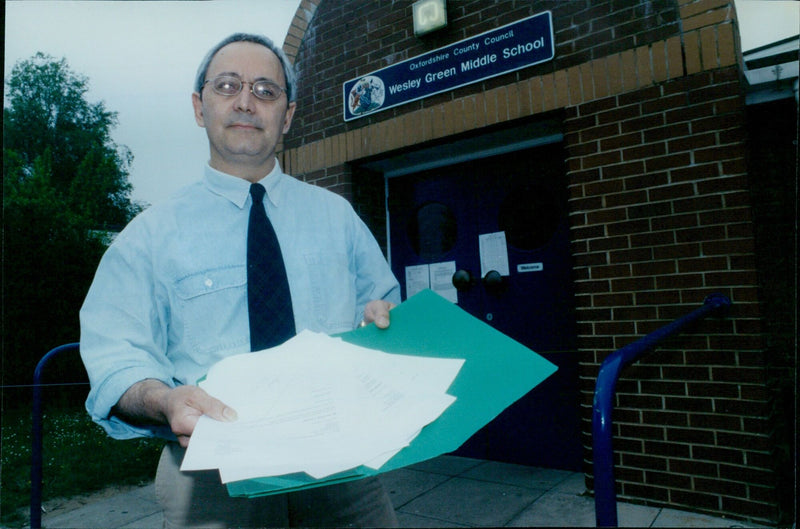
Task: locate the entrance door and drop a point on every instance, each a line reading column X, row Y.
column 523, row 288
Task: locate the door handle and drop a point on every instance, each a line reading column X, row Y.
column 494, row 282
column 463, row 280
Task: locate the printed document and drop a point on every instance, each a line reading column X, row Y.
column 318, row 405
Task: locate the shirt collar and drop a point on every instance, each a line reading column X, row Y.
column 237, row 190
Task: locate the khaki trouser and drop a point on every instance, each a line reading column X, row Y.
column 199, row 499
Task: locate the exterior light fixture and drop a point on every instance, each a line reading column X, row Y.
column 429, row 15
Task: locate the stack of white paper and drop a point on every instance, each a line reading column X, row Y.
column 317, row 405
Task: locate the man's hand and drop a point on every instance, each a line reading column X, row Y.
column 183, row 407
column 378, row 311
column 151, row 401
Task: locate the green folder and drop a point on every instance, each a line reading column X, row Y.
column 497, row 371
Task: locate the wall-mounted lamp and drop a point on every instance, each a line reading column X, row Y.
column 429, row 15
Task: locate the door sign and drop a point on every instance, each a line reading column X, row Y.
column 494, row 253
column 436, row 276
column 505, row 49
column 530, row 267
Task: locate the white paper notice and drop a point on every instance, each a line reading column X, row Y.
column 417, row 279
column 494, row 253
column 317, row 405
column 442, row 280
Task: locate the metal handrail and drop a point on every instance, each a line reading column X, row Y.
column 36, row 437
column 605, row 495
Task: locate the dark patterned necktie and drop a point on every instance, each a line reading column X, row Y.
column 268, row 299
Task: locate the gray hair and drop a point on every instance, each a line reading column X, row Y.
column 288, row 69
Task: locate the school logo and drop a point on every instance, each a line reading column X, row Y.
column 366, row 95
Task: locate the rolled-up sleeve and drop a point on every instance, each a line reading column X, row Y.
column 123, row 331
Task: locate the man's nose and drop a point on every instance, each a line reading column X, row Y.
column 244, row 99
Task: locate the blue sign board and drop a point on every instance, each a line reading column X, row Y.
column 502, row 50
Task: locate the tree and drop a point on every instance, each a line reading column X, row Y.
column 65, row 183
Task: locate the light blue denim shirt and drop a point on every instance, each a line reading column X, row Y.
column 169, row 298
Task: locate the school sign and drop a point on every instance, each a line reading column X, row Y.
column 496, row 52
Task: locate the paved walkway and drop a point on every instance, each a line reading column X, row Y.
column 444, row 492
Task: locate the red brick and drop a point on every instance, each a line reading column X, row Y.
column 666, row 479
column 715, row 154
column 623, row 169
column 715, row 421
column 695, row 499
column 746, row 473
column 621, row 140
column 643, row 461
column 690, row 113
column 667, row 132
column 620, row 113
column 679, row 281
column 631, row 255
column 653, row 238
column 686, row 373
column 669, row 161
column 609, row 243
column 649, row 150
column 642, row 123
column 600, row 272
column 602, row 131
column 693, row 467
column 643, row 181
column 676, row 251
column 633, row 284
column 614, row 328
column 717, row 454
column 629, row 197
column 628, row 227
column 654, row 268
column 675, row 222
column 689, row 143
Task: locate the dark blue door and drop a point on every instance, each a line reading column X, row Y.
column 440, row 216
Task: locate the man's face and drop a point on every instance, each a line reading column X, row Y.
column 243, row 130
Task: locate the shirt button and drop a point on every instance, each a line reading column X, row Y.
column 209, row 283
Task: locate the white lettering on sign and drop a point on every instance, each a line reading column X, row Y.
column 466, row 49
column 478, row 62
column 530, row 267
column 428, row 61
column 519, row 49
column 407, row 85
column 497, row 38
column 436, row 76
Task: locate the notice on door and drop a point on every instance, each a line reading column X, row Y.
column 442, row 280
column 494, row 253
column 436, row 276
column 417, row 279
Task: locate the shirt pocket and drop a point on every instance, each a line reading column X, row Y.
column 213, row 310
column 331, row 290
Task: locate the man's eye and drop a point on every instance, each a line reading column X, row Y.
column 227, row 85
column 265, row 90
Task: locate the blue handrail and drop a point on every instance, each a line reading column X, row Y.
column 605, row 495
column 36, row 438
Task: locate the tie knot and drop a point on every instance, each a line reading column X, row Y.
column 257, row 191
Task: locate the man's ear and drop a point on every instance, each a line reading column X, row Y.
column 197, row 103
column 287, row 119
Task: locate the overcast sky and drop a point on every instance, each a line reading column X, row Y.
column 141, row 58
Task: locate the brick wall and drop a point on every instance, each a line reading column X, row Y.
column 661, row 218
column 659, row 201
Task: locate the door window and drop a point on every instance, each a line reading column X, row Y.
column 432, row 231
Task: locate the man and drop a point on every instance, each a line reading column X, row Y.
column 170, row 297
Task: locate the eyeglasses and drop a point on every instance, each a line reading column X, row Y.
column 228, row 85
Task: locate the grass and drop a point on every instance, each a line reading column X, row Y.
column 78, row 458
